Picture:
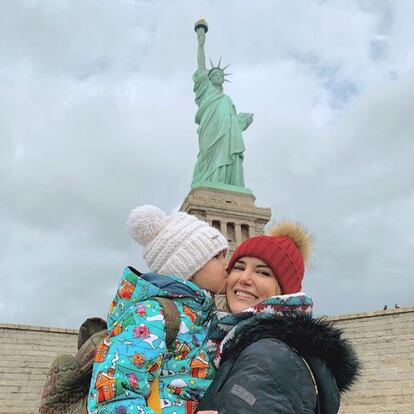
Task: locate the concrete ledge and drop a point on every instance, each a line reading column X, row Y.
column 37, row 328
column 387, row 312
column 360, row 315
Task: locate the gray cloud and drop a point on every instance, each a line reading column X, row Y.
column 98, row 116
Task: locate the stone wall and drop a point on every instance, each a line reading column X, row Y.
column 384, row 341
column 26, row 353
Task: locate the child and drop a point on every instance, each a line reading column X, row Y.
column 133, row 359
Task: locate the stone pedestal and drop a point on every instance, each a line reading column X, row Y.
column 234, row 214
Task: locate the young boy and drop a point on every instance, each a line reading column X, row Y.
column 133, row 361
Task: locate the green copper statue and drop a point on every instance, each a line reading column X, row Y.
column 220, row 158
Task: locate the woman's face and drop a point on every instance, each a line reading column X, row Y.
column 249, row 283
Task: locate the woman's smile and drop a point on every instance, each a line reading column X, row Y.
column 244, row 295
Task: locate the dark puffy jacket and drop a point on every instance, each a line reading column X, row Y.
column 274, row 364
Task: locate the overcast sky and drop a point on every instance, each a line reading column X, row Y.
column 97, row 117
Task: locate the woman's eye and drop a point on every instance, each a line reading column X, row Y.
column 261, row 272
column 238, row 267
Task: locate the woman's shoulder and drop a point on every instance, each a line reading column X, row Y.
column 309, row 337
column 267, row 353
column 297, row 376
column 270, row 371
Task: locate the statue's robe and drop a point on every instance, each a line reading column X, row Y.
column 221, row 147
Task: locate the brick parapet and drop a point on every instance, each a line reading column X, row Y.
column 27, row 352
column 362, row 315
column 384, row 343
column 38, row 328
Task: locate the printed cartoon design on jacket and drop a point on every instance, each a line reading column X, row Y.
column 199, row 366
column 134, row 352
column 107, row 385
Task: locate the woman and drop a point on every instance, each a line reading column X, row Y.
column 273, row 357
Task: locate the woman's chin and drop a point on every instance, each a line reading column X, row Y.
column 239, row 305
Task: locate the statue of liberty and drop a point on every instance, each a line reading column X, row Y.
column 220, row 158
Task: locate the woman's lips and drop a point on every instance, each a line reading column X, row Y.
column 243, row 295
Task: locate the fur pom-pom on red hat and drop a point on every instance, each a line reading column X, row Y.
column 285, row 249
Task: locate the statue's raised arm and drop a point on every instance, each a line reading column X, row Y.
column 220, row 158
column 201, row 29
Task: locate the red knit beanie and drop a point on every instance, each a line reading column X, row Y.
column 285, row 250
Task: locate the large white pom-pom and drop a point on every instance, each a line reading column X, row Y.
column 145, row 222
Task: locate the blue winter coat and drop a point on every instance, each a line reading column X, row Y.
column 134, row 352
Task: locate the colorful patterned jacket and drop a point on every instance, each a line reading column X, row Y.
column 134, row 352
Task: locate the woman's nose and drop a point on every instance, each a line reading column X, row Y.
column 245, row 277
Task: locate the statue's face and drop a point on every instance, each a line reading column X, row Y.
column 216, row 77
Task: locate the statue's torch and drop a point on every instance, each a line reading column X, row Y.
column 201, row 24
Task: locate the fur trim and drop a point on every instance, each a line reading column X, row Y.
column 297, row 233
column 310, row 337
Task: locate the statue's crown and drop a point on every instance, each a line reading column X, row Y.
column 218, row 67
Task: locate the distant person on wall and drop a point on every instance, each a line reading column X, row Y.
column 134, row 372
column 271, row 355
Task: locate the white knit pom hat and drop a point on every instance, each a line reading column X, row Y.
column 179, row 244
